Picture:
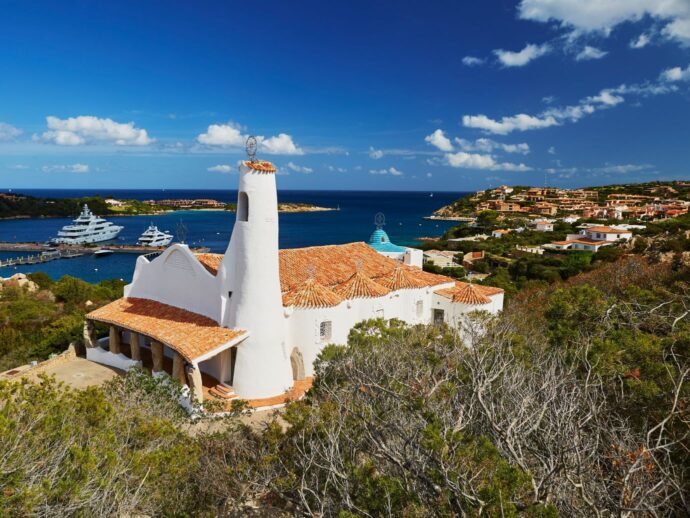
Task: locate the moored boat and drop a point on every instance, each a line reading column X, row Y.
column 87, row 228
column 154, row 237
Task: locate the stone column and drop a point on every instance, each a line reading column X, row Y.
column 195, row 385
column 178, row 368
column 89, row 333
column 157, row 355
column 115, row 338
column 134, row 347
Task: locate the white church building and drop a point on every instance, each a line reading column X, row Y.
column 249, row 323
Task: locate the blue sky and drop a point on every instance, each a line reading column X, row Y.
column 391, row 95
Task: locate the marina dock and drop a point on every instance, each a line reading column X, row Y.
column 41, row 253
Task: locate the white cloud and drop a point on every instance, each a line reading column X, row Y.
column 472, row 61
column 19, row 167
column 70, row 168
column 679, row 29
column 86, row 129
column 299, row 169
column 521, row 58
column 281, row 144
column 623, row 168
column 552, row 150
column 465, row 160
column 556, row 116
column 341, row 169
column 230, row 135
column 606, row 97
column 641, row 41
column 676, row 74
column 375, row 153
column 519, row 122
column 583, row 16
column 8, row 132
column 589, row 53
column 223, row 135
column 439, row 140
column 429, row 175
column 221, row 168
column 486, row 145
column 390, row 171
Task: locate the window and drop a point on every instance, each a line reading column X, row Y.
column 243, row 207
column 379, row 313
column 439, row 317
column 420, row 308
column 325, row 329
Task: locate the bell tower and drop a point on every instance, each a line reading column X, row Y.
column 250, row 284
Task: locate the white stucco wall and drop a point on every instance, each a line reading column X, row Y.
column 176, row 278
column 453, row 311
column 250, row 272
column 303, row 324
column 118, row 361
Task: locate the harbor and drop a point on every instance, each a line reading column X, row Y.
column 39, row 253
column 86, row 249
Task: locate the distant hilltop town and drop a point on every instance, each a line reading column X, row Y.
column 617, row 202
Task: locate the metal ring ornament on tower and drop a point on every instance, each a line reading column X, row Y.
column 251, row 147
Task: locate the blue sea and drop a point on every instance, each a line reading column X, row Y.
column 404, row 212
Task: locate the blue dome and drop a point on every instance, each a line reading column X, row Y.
column 380, row 242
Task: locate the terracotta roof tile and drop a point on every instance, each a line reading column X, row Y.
column 400, row 279
column 467, row 293
column 359, row 286
column 190, row 334
column 260, row 165
column 311, row 295
column 608, row 230
column 335, row 264
column 210, row 261
column 488, row 290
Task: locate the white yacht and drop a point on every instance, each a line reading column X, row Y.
column 87, row 228
column 154, row 237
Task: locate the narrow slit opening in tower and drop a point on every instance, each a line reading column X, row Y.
column 243, row 207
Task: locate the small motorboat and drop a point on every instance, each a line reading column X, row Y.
column 103, row 252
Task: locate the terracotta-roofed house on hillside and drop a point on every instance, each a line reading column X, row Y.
column 250, row 323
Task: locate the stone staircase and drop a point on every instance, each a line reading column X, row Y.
column 223, row 391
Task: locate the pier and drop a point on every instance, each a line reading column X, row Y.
column 41, row 253
column 43, row 257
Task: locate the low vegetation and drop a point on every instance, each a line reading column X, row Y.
column 574, row 402
column 36, row 324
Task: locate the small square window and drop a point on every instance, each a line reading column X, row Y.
column 379, row 313
column 325, row 329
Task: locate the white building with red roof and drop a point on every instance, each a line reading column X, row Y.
column 605, row 233
column 250, row 323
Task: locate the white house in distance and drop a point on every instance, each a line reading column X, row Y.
column 441, row 258
column 543, row 226
column 591, row 239
column 604, row 233
column 250, row 323
column 500, row 232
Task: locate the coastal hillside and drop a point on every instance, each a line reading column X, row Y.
column 516, row 237
column 550, row 201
